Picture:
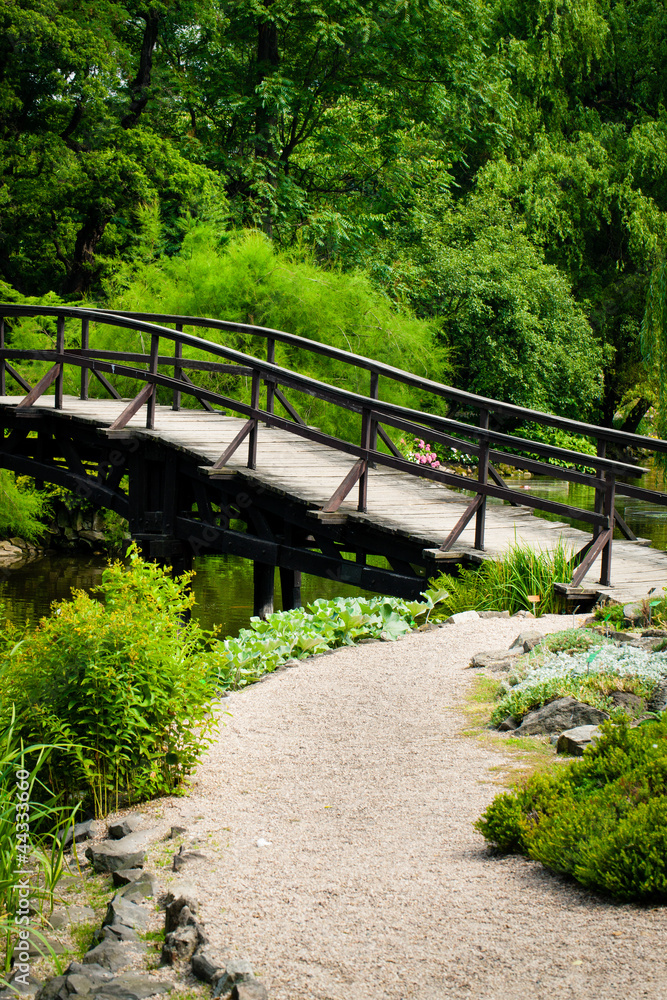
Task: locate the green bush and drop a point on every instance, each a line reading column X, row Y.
column 22, row 508
column 506, row 584
column 602, row 820
column 120, row 686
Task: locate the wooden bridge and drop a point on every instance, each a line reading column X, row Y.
column 201, row 461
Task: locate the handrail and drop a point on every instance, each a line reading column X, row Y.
column 468, row 438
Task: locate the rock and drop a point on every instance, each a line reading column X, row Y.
column 658, row 700
column 94, row 537
column 185, row 899
column 527, row 641
column 177, row 831
column 523, row 614
column 208, row 965
column 95, row 973
column 124, row 827
column 186, row 857
column 18, row 986
column 122, row 911
column 634, row 614
column 236, row 972
column 493, row 614
column 574, row 741
column 139, row 889
column 40, row 945
column 252, row 990
column 181, row 943
column 55, row 989
column 632, row 703
column 113, row 955
column 119, row 932
column 73, row 914
column 80, row 832
column 559, row 715
column 496, row 659
column 132, row 986
column 461, row 617
column 507, row 725
column 125, row 876
column 128, row 852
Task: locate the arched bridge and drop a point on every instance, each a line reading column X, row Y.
column 205, row 450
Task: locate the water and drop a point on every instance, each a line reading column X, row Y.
column 645, row 519
column 223, row 585
column 223, row 588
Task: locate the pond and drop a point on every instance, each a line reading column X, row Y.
column 223, row 585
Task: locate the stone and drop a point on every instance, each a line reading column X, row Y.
column 132, row 986
column 185, row 900
column 29, row 989
column 139, row 889
column 460, row 617
column 55, row 989
column 493, row 614
column 128, row 852
column 181, row 943
column 177, row 831
column 40, row 944
column 122, row 911
column 237, row 971
column 634, row 614
column 252, row 990
column 124, row 827
column 112, row 954
column 527, row 641
column 95, row 973
column 559, row 715
column 574, row 741
column 125, row 876
column 120, row 932
column 186, row 857
column 208, row 965
column 632, row 703
column 87, row 830
column 523, row 614
column 496, row 659
column 658, row 700
column 62, row 916
column 507, row 725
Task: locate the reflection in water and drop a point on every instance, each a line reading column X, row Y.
column 223, row 584
column 223, row 588
column 645, row 519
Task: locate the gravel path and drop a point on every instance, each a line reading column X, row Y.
column 374, row 885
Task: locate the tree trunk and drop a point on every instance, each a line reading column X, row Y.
column 81, row 272
column 268, row 59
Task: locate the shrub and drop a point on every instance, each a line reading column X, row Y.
column 120, row 686
column 602, row 820
column 508, row 583
column 22, row 508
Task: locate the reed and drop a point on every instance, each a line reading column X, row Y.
column 508, row 584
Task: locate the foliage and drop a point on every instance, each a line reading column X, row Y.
column 420, row 451
column 508, row 583
column 588, row 669
column 37, row 850
column 303, row 632
column 22, row 508
column 250, row 281
column 120, row 687
column 602, row 820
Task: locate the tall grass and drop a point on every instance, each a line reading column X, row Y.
column 508, row 583
column 39, row 859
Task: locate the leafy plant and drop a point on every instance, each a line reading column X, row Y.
column 120, row 686
column 602, row 820
column 22, row 508
column 322, row 626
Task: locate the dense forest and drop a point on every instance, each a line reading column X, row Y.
column 492, row 173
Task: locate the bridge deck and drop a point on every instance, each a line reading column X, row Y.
column 397, row 503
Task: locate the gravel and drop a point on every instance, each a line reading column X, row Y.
column 335, row 815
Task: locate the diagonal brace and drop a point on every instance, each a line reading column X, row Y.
column 238, row 440
column 467, row 516
column 353, row 476
column 132, row 407
column 41, row 387
column 591, row 555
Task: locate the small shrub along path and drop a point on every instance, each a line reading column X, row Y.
column 354, row 770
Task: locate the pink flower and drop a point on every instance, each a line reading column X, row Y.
column 421, row 444
column 422, row 460
column 436, row 465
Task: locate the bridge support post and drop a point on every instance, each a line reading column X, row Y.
column 290, row 588
column 483, row 478
column 263, row 577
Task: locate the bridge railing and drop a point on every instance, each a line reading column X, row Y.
column 481, row 442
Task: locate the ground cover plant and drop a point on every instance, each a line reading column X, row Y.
column 508, row 583
column 602, row 820
column 585, row 666
column 318, row 628
column 119, row 685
